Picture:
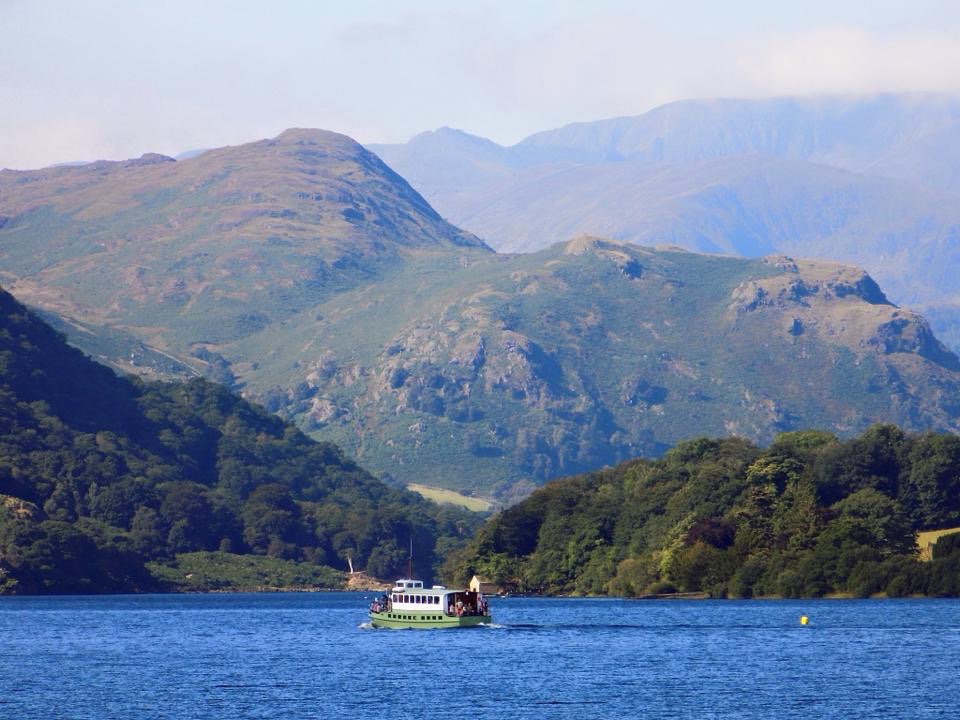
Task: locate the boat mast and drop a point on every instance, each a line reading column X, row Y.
column 410, row 560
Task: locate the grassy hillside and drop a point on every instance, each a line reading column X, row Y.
column 183, row 256
column 100, row 474
column 806, row 517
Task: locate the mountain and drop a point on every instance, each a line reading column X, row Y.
column 100, row 474
column 181, row 254
column 869, row 180
column 305, row 273
column 841, row 131
column 805, row 517
column 510, row 370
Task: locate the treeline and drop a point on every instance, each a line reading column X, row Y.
column 100, row 474
column 806, row 517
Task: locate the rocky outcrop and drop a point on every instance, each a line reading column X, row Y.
column 361, row 582
column 18, row 509
column 843, row 304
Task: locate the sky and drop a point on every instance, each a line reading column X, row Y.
column 111, row 79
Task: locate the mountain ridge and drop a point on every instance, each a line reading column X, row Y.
column 304, row 272
column 270, row 225
column 872, row 180
column 526, row 367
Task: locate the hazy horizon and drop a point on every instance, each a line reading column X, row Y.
column 112, row 80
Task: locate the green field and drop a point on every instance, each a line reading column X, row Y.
column 439, row 495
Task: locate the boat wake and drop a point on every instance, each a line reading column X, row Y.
column 491, row 626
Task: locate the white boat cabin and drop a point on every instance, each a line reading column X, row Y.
column 411, row 596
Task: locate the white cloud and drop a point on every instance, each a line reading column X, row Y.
column 622, row 65
column 75, row 84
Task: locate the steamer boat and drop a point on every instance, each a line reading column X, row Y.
column 410, row 605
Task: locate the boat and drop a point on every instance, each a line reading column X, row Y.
column 410, row 605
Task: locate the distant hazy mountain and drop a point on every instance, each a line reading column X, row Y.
column 306, row 272
column 847, row 132
column 187, row 154
column 873, row 180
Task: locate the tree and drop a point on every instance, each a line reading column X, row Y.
column 930, row 492
column 870, row 518
column 271, row 515
column 146, row 532
column 185, row 509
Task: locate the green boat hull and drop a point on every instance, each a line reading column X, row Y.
column 426, row 621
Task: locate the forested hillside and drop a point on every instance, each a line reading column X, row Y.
column 805, row 517
column 100, row 474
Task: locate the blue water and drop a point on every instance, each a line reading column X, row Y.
column 310, row 655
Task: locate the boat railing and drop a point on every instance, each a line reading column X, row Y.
column 381, row 605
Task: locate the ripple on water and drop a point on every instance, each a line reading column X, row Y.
column 308, row 655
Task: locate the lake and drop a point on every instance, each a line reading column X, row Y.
column 311, row 655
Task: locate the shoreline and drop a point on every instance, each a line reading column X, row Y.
column 270, row 589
